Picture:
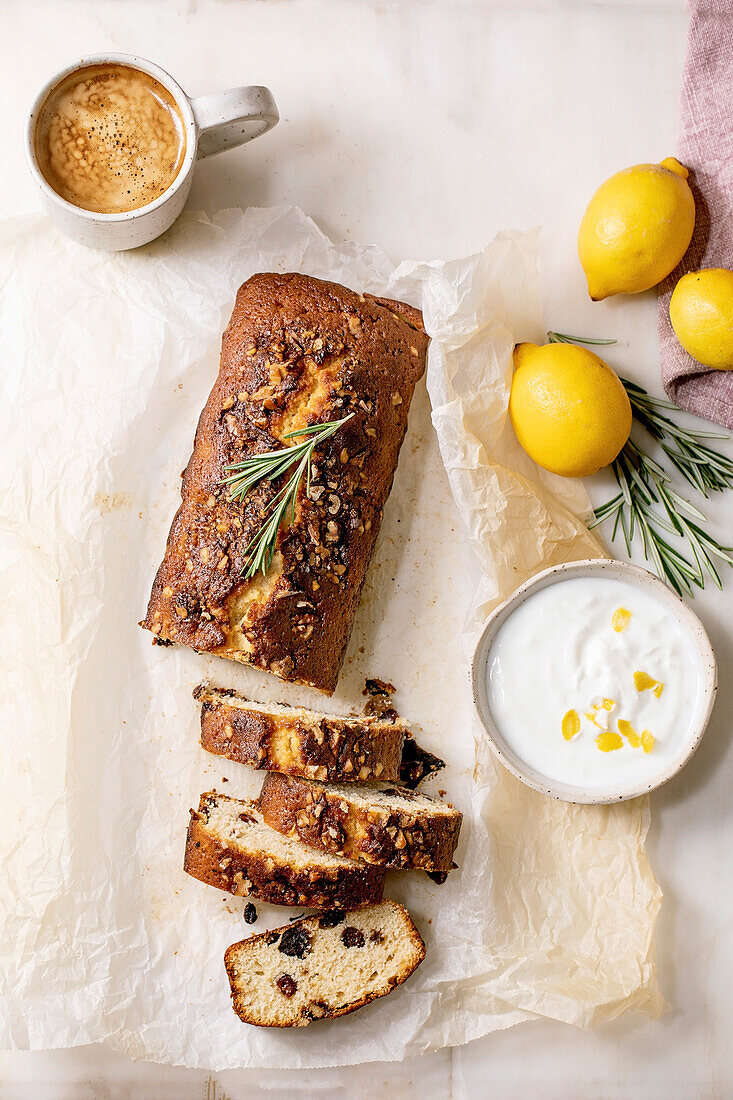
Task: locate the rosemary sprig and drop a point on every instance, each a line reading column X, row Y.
column 648, row 504
column 563, row 338
column 700, row 465
column 269, row 466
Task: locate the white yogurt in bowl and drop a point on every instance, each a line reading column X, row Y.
column 594, row 682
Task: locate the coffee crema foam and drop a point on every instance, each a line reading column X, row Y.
column 109, row 138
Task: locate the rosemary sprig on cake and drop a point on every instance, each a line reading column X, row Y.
column 271, row 465
column 648, row 504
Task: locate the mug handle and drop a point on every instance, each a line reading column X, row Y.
column 227, row 119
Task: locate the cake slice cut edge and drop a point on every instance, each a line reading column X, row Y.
column 381, row 824
column 230, row 846
column 297, row 741
column 322, row 967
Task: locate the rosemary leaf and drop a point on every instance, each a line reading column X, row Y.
column 270, row 466
column 563, row 338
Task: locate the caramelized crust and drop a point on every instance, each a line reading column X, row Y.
column 299, row 742
column 244, row 857
column 297, row 351
column 384, row 826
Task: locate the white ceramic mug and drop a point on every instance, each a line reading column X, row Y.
column 213, row 123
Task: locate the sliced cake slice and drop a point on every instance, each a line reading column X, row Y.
column 383, row 825
column 230, row 846
column 322, row 967
column 296, row 741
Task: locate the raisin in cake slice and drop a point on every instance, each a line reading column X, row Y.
column 324, row 966
column 296, row 741
column 230, row 846
column 382, row 825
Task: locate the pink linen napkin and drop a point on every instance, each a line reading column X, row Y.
column 705, row 146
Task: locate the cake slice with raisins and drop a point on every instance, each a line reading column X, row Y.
column 230, row 846
column 324, row 966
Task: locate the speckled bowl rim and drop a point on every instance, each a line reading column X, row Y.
column 591, row 567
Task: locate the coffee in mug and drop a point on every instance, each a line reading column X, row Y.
column 109, row 138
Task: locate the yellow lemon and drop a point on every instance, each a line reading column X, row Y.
column 568, row 408
column 701, row 312
column 636, row 229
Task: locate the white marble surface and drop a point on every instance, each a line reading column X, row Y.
column 425, row 126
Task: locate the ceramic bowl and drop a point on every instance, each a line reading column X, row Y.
column 616, row 570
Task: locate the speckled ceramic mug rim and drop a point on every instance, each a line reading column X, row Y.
column 130, row 61
column 568, row 792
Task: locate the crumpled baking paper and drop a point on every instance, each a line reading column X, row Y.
column 107, row 361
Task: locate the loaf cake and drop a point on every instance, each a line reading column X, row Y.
column 382, row 825
column 322, row 967
column 297, row 741
column 297, row 352
column 230, row 846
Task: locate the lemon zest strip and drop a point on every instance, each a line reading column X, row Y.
column 621, row 619
column 629, row 733
column 570, row 725
column 643, row 681
column 609, row 741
